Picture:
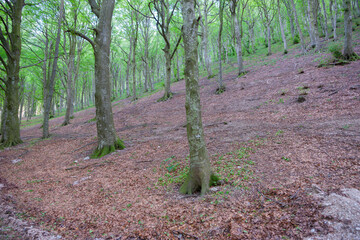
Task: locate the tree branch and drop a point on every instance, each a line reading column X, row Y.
column 94, row 7
column 82, row 36
column 176, row 46
column 31, row 65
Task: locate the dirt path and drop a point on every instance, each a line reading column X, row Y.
column 269, row 148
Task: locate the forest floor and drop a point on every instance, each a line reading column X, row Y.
column 273, row 135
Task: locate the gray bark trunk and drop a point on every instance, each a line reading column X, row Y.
column 238, row 36
column 221, row 86
column 107, row 139
column 313, row 13
column 282, row 27
column 50, row 83
column 199, row 172
column 11, row 130
column 302, row 41
column 348, row 51
column 334, row 20
column 325, row 20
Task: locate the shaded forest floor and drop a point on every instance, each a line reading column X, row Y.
column 267, row 144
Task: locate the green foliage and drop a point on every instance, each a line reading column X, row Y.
column 99, row 153
column 335, row 49
column 296, row 39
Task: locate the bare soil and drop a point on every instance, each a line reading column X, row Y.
column 294, row 144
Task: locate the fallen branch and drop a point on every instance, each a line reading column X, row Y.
column 83, row 146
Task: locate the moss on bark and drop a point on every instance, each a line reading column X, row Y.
column 102, row 151
column 193, row 185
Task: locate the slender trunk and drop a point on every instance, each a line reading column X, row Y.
column 134, row 97
column 282, row 27
column 128, row 67
column 291, row 18
column 269, row 39
column 221, row 86
column 334, row 21
column 69, row 82
column 205, row 43
column 199, row 172
column 302, row 41
column 314, row 22
column 348, row 51
column 325, row 20
column 238, row 36
column 51, row 81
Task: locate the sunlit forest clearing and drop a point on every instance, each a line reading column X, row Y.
column 169, row 119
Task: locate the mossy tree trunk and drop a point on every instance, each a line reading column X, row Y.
column 348, row 51
column 283, row 36
column 313, row 14
column 11, row 128
column 108, row 141
column 199, row 173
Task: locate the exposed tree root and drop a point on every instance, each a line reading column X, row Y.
column 195, row 184
column 118, row 145
column 220, row 90
column 11, row 143
column 165, row 97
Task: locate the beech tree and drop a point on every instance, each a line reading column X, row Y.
column 199, row 175
column 108, row 141
column 235, row 6
column 10, row 39
column 348, row 51
column 49, row 82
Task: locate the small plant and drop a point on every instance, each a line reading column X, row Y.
column 278, row 133
column 286, row 159
column 296, row 39
column 335, row 50
column 301, row 71
column 92, row 120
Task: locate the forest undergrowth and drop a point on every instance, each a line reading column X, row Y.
column 284, row 126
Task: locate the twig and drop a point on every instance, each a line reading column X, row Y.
column 273, row 200
column 83, row 146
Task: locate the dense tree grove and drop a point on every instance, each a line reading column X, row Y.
column 58, row 57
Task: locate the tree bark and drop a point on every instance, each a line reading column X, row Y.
column 282, row 27
column 334, row 20
column 302, row 41
column 107, row 139
column 199, row 172
column 348, row 51
column 50, row 83
column 238, row 36
column 325, row 20
column 221, row 87
column 313, row 6
column 11, row 130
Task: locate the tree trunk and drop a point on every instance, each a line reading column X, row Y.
column 291, row 18
column 51, row 81
column 238, row 36
column 282, row 28
column 107, row 139
column 134, row 97
column 334, row 20
column 302, row 41
column 205, row 42
column 11, row 131
column 348, row 51
column 69, row 83
column 325, row 20
column 128, row 66
column 314, row 8
column 269, row 38
column 199, row 172
column 221, row 87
